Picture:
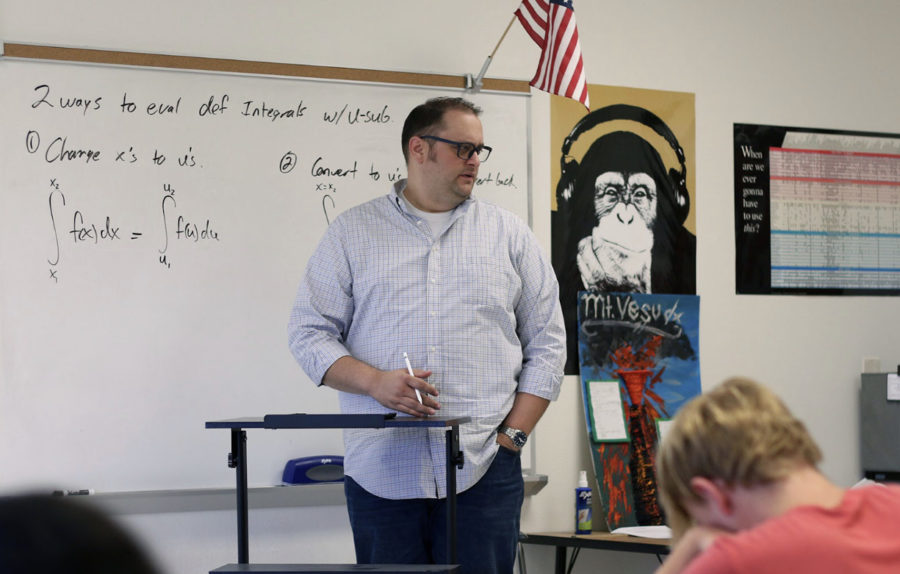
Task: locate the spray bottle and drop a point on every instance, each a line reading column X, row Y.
column 583, row 506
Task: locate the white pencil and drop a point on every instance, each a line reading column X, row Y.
column 411, row 374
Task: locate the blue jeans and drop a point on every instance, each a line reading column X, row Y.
column 414, row 531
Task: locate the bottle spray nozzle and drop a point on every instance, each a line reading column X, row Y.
column 582, row 479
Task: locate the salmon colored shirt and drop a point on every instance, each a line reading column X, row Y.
column 860, row 536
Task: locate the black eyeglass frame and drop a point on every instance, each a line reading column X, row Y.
column 475, row 149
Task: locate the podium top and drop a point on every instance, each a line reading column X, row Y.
column 333, row 421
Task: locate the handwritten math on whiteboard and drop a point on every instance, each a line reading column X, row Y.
column 165, row 136
column 156, row 224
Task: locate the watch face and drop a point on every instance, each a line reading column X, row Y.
column 518, row 437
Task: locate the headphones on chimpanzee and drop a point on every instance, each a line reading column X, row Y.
column 569, row 167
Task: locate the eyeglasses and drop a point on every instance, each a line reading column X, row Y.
column 465, row 150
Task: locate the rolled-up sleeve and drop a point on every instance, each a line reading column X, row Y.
column 540, row 323
column 323, row 308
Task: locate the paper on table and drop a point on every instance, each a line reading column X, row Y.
column 662, row 531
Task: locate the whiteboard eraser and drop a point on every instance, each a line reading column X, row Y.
column 313, row 470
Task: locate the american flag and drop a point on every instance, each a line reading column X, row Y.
column 551, row 24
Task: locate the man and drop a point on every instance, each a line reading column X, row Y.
column 738, row 480
column 463, row 287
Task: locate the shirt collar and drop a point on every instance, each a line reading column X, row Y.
column 401, row 202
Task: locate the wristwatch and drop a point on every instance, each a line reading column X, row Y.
column 517, row 436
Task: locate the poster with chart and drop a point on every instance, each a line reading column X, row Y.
column 817, row 211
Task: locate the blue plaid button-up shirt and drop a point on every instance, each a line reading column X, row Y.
column 478, row 305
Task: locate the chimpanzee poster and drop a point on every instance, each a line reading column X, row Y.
column 649, row 345
column 623, row 210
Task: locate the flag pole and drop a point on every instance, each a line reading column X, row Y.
column 476, row 83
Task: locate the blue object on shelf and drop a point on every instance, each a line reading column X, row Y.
column 314, row 470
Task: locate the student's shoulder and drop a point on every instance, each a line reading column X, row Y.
column 878, row 495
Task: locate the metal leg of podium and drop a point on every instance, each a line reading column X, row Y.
column 238, row 460
column 454, row 461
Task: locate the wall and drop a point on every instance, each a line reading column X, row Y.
column 813, row 63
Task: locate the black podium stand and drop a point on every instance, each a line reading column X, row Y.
column 237, row 459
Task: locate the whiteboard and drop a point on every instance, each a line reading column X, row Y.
column 155, row 226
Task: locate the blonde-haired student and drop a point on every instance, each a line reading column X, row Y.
column 740, row 486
